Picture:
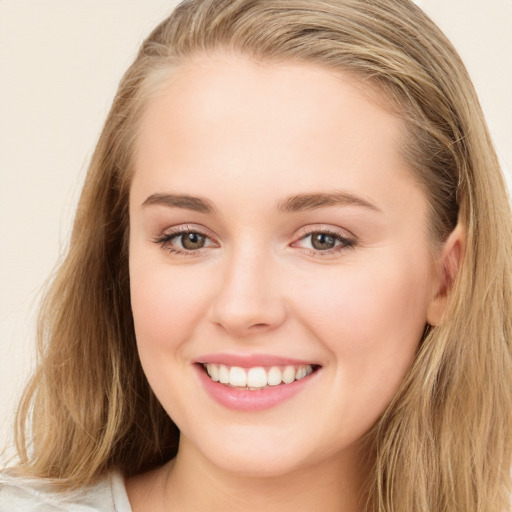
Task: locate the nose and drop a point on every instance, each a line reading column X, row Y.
column 250, row 299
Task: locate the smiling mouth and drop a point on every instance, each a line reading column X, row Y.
column 258, row 377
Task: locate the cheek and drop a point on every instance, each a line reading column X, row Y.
column 386, row 298
column 371, row 319
column 166, row 306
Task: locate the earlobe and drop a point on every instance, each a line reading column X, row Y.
column 448, row 268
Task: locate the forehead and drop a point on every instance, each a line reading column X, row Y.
column 298, row 125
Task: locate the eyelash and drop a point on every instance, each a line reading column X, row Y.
column 345, row 243
column 165, row 241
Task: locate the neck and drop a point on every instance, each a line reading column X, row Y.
column 191, row 482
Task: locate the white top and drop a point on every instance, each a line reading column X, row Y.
column 31, row 495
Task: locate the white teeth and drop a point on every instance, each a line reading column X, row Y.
column 213, row 371
column 289, row 374
column 237, row 377
column 301, row 373
column 274, row 376
column 223, row 374
column 257, row 377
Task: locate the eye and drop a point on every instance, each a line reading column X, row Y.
column 185, row 241
column 324, row 242
column 191, row 241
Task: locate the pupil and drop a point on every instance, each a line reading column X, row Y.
column 322, row 241
column 192, row 241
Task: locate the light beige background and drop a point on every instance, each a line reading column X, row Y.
column 60, row 62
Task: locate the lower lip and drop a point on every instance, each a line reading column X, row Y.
column 251, row 400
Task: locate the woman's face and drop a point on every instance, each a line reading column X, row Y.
column 277, row 236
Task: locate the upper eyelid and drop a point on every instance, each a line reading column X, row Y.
column 322, row 228
column 300, row 234
column 345, row 240
column 165, row 237
column 188, row 228
column 166, row 241
column 305, row 230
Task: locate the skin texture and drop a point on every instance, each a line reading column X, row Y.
column 245, row 137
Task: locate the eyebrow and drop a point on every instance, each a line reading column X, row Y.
column 304, row 202
column 180, row 201
column 297, row 203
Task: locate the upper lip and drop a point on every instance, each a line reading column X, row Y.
column 251, row 360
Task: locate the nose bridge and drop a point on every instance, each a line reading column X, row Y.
column 249, row 298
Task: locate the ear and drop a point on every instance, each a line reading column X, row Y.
column 448, row 267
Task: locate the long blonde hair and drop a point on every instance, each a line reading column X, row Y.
column 444, row 443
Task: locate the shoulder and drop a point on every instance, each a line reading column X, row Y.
column 34, row 495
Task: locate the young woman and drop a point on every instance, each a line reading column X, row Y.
column 289, row 281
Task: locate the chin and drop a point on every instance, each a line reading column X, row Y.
column 263, row 451
column 249, row 451
column 255, row 464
